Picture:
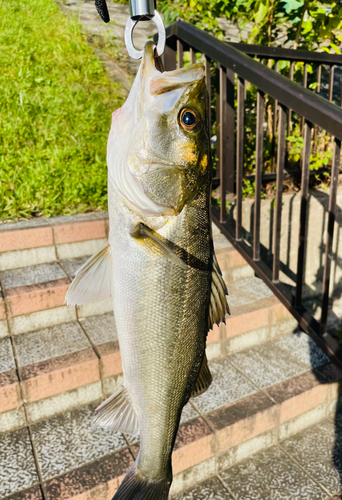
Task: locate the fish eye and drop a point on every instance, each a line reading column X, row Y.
column 188, row 119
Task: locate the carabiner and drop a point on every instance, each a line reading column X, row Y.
column 140, row 10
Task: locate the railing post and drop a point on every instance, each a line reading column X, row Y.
column 240, row 136
column 230, row 124
column 258, row 173
column 192, row 56
column 303, row 212
column 331, row 83
column 223, row 141
column 274, row 131
column 289, row 114
column 179, row 54
column 169, row 59
column 279, row 194
column 208, row 84
column 305, row 84
column 330, row 235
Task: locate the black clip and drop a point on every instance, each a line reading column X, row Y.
column 102, row 9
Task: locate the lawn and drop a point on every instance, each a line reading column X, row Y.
column 56, row 102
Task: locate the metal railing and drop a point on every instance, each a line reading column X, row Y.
column 234, row 69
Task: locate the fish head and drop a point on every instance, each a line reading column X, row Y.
column 159, row 148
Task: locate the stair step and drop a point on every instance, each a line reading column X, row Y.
column 310, row 459
column 258, row 397
column 64, row 366
column 38, row 241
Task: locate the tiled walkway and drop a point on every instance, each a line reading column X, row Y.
column 307, row 466
column 73, row 457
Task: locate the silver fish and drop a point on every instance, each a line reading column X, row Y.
column 159, row 265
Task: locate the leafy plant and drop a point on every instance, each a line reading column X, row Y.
column 308, row 24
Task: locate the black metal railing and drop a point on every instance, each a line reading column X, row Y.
column 232, row 68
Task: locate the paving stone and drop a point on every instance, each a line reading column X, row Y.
column 304, row 348
column 68, row 441
column 41, row 273
column 6, row 355
column 50, row 343
column 254, row 287
column 70, row 266
column 211, row 489
column 77, row 217
column 189, row 412
column 220, row 241
column 238, row 297
column 17, row 466
column 319, row 451
column 267, row 364
column 271, row 475
column 23, row 224
column 101, row 329
column 228, row 386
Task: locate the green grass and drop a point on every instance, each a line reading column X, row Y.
column 56, row 102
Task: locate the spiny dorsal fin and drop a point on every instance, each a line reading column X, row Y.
column 218, row 303
column 117, row 414
column 93, row 281
column 204, row 379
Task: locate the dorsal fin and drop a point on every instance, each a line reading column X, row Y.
column 204, row 379
column 117, row 414
column 93, row 281
column 218, row 307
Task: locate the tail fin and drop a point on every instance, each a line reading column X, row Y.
column 136, row 487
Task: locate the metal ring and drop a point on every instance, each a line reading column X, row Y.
column 137, row 54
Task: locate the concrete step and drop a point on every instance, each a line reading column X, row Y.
column 259, row 397
column 59, row 358
column 38, row 259
column 60, row 367
column 301, row 467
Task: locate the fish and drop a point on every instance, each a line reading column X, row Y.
column 158, row 265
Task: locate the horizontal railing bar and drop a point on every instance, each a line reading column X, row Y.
column 328, row 345
column 302, row 101
column 288, row 54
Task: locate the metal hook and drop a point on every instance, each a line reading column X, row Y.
column 137, row 54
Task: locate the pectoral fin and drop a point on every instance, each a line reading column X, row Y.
column 117, row 413
column 93, row 281
column 204, row 379
column 141, row 231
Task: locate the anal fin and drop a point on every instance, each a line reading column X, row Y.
column 117, row 414
column 204, row 379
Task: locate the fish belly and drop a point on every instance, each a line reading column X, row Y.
column 161, row 316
